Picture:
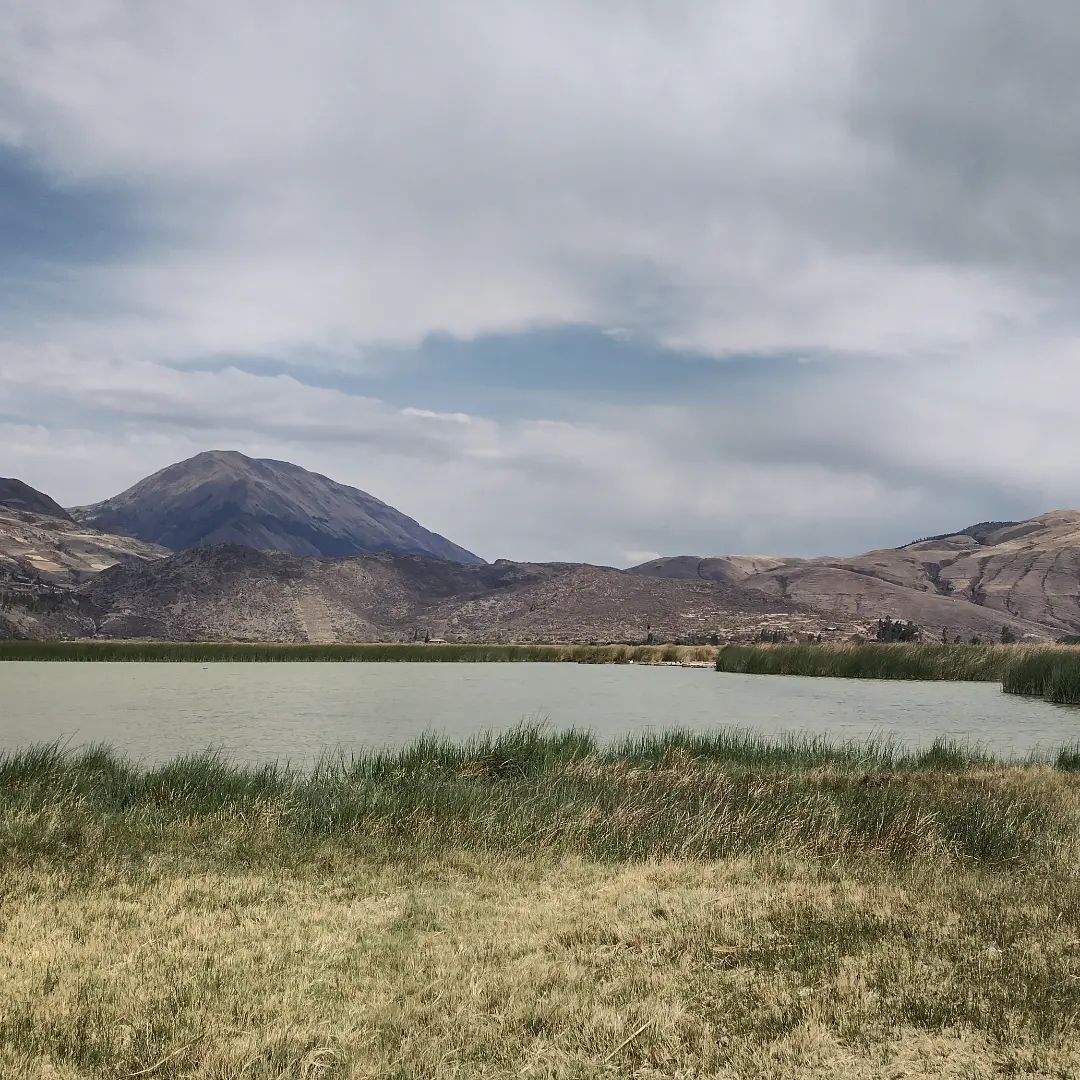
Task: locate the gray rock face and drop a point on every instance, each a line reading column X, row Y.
column 15, row 495
column 224, row 497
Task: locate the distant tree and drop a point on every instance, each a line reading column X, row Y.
column 889, row 629
column 1008, row 636
column 975, row 640
column 944, row 636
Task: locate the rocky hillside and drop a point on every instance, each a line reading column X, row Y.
column 224, row 497
column 61, row 552
column 235, row 593
column 43, row 557
column 15, row 495
column 1025, row 575
column 59, row 577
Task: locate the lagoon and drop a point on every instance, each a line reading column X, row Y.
column 298, row 712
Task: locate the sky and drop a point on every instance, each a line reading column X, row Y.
column 592, row 281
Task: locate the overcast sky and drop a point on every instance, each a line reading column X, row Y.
column 559, row 279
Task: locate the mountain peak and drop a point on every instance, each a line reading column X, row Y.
column 224, row 496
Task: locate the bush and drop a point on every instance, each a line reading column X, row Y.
column 897, row 630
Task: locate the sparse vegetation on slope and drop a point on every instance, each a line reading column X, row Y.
column 441, row 652
column 541, row 905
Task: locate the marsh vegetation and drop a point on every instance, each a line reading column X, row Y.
column 382, row 652
column 540, row 904
column 1048, row 671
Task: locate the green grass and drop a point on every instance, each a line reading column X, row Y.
column 1048, row 671
column 261, row 652
column 1052, row 672
column 675, row 795
column 916, row 661
column 539, row 904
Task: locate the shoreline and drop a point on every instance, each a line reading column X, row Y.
column 354, row 652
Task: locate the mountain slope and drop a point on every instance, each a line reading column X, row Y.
column 236, row 593
column 42, row 558
column 15, row 495
column 1022, row 574
column 224, row 497
column 61, row 552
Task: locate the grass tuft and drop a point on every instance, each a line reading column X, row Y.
column 684, row 795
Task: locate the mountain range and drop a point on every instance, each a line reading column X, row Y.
column 223, row 546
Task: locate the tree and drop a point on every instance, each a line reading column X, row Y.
column 889, row 630
column 1008, row 636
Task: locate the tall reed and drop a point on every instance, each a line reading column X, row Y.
column 260, row 652
column 917, row 661
column 1051, row 672
column 679, row 795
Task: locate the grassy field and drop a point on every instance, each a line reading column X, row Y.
column 442, row 652
column 542, row 906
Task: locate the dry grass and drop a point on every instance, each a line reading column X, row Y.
column 155, row 930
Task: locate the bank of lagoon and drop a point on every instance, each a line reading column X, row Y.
column 542, row 904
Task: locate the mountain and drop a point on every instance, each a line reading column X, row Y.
column 15, row 495
column 224, row 497
column 235, row 593
column 60, row 577
column 43, row 557
column 1025, row 575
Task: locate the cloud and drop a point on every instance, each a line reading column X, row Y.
column 726, row 177
column 864, row 215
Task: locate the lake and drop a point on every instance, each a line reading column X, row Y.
column 298, row 711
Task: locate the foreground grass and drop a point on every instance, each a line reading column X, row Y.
column 542, row 906
column 260, row 652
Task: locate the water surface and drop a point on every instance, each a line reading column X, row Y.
column 298, row 711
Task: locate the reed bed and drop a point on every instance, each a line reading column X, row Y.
column 680, row 795
column 202, row 652
column 915, row 661
column 1048, row 671
column 1052, row 673
column 540, row 904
